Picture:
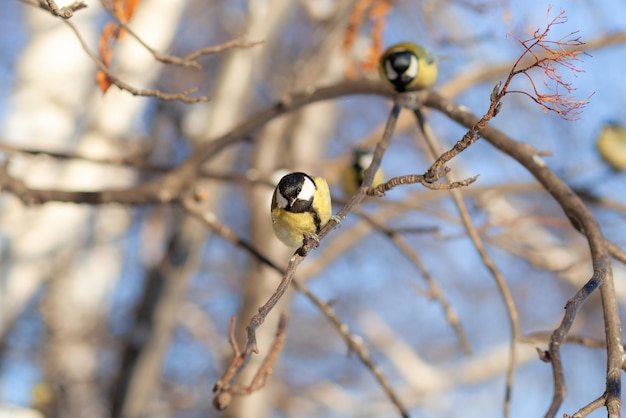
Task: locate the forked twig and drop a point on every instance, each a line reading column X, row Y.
column 64, row 12
column 560, row 52
column 226, row 391
column 354, row 342
column 190, row 59
column 477, row 241
column 583, row 220
column 394, row 182
column 434, row 291
column 184, row 96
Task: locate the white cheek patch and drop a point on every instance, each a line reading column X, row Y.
column 365, row 160
column 280, row 200
column 391, row 74
column 413, row 67
column 308, row 190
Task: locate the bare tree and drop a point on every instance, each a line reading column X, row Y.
column 143, row 140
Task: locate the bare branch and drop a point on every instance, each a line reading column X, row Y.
column 381, row 189
column 184, row 96
column 560, row 53
column 434, row 290
column 225, row 395
column 189, row 60
column 582, row 219
column 240, row 42
column 65, row 12
column 477, row 241
column 589, row 408
column 354, row 342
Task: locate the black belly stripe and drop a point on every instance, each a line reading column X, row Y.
column 316, row 220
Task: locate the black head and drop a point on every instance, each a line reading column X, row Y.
column 295, row 192
column 401, row 68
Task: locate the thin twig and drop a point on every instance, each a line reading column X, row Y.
column 235, row 43
column 173, row 185
column 137, row 161
column 582, row 219
column 368, row 177
column 574, row 339
column 394, row 182
column 223, row 399
column 354, row 342
column 176, row 183
column 434, row 291
column 503, row 287
column 65, row 12
column 589, row 408
column 188, row 60
column 182, row 96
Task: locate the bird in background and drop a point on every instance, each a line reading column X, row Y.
column 353, row 174
column 300, row 205
column 408, row 67
column 611, row 145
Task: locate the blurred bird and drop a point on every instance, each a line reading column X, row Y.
column 300, row 205
column 611, row 145
column 352, row 175
column 408, row 66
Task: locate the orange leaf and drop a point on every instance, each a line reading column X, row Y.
column 105, row 50
column 125, row 9
column 377, row 14
column 354, row 22
column 103, row 80
column 107, row 38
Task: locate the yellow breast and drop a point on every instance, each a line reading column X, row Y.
column 290, row 227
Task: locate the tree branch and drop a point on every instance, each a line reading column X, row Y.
column 582, row 220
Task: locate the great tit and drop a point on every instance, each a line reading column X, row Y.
column 408, row 66
column 611, row 145
column 300, row 205
column 352, row 175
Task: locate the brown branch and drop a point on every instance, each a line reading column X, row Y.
column 174, row 184
column 394, row 182
column 183, row 96
column 562, row 52
column 146, row 193
column 589, row 408
column 136, row 161
column 466, row 79
column 434, row 292
column 574, row 339
column 235, row 43
column 355, row 345
column 65, row 12
column 224, row 397
column 504, row 289
column 368, row 177
column 438, row 169
column 616, row 251
column 582, row 219
column 171, row 186
column 354, row 342
column 563, row 105
column 188, row 60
